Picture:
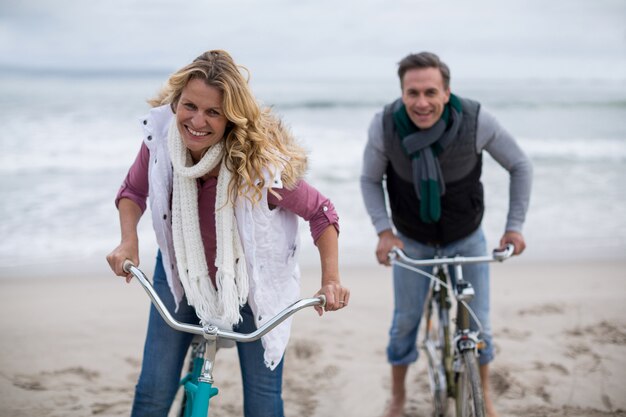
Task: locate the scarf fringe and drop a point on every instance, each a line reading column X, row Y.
column 229, row 296
column 243, row 284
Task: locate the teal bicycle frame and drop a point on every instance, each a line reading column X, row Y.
column 198, row 384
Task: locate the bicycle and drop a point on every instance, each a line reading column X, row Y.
column 198, row 382
column 452, row 356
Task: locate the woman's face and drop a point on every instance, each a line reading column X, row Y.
column 200, row 117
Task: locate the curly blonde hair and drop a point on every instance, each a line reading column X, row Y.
column 256, row 141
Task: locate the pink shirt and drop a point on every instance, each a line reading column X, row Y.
column 304, row 200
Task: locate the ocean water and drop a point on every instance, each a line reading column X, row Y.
column 67, row 141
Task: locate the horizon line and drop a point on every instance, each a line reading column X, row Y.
column 117, row 72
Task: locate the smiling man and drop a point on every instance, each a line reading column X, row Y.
column 424, row 151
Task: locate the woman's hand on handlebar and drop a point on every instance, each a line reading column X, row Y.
column 125, row 251
column 337, row 297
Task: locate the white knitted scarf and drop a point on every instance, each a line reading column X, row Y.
column 221, row 306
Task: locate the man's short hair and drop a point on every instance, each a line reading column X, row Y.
column 424, row 60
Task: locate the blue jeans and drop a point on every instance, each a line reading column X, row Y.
column 411, row 289
column 164, row 354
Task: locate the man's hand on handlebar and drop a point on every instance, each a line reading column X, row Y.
column 514, row 238
column 387, row 241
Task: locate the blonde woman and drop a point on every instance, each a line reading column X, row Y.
column 224, row 181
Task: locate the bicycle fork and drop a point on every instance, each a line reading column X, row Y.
column 465, row 339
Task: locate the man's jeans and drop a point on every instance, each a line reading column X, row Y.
column 165, row 350
column 411, row 288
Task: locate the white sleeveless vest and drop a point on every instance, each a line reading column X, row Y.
column 269, row 238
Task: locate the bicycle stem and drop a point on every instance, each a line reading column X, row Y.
column 209, row 361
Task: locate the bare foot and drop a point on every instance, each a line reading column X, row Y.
column 491, row 411
column 489, row 407
column 484, row 379
column 395, row 407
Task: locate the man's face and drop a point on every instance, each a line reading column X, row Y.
column 424, row 96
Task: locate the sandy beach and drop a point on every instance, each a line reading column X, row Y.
column 75, row 78
column 71, row 345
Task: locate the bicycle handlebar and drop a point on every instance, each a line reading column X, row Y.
column 212, row 331
column 397, row 254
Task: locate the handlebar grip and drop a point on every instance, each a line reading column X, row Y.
column 505, row 253
column 322, row 299
column 394, row 253
column 127, row 264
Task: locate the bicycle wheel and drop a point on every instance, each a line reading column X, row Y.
column 469, row 392
column 436, row 328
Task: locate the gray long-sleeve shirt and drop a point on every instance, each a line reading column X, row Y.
column 491, row 137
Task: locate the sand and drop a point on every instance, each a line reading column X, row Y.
column 71, row 345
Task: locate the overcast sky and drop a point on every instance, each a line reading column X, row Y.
column 322, row 38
